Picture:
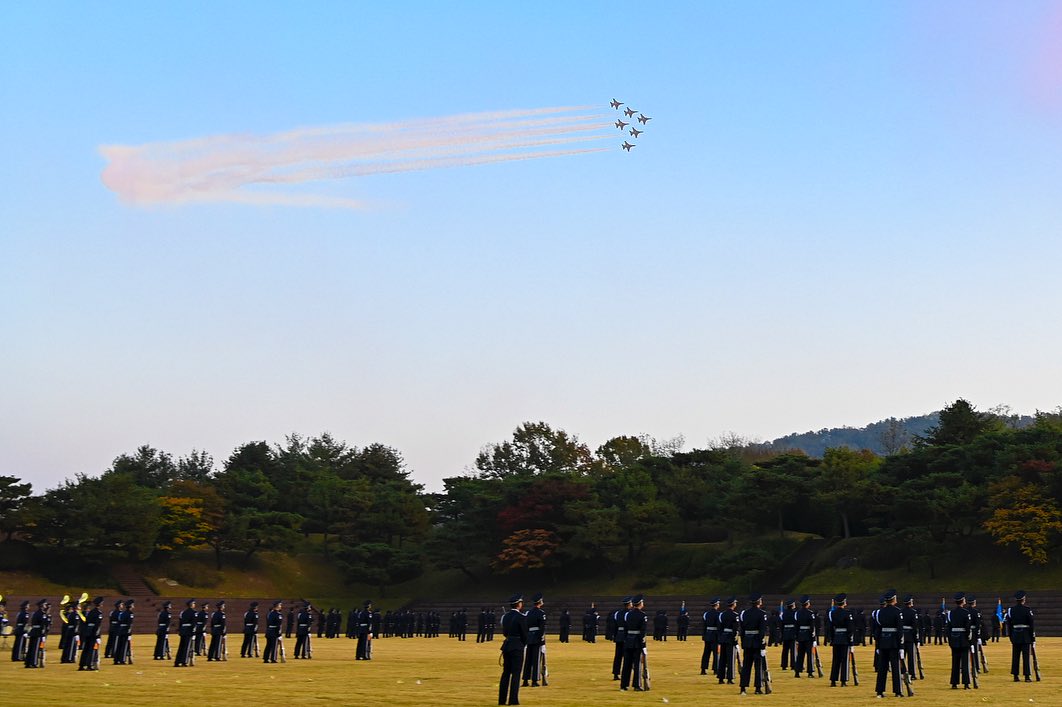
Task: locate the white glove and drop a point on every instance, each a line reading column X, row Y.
column 901, row 655
column 815, row 643
column 763, row 652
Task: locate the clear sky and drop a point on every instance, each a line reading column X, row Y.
column 840, row 212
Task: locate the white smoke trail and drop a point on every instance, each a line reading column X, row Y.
column 221, row 168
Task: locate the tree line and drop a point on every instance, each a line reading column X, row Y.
column 545, row 501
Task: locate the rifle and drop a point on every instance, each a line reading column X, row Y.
column 130, row 647
column 973, row 668
column 852, row 660
column 166, row 646
column 815, row 652
column 255, row 645
column 44, row 653
column 1036, row 663
column 918, row 660
column 645, row 668
column 737, row 657
column 981, row 652
column 905, row 675
column 280, row 646
column 96, row 655
column 766, row 673
column 309, row 646
column 542, row 657
column 223, row 649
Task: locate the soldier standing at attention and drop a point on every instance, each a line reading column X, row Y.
column 38, row 629
column 710, row 637
column 887, row 647
column 290, row 625
column 728, row 627
column 752, row 625
column 805, row 638
column 363, row 651
column 536, row 633
column 112, row 628
column 274, row 622
column 250, row 630
column 162, row 630
column 683, row 623
column 186, row 630
column 123, row 652
column 71, row 618
column 302, row 630
column 565, row 626
column 90, row 637
column 636, row 623
column 789, row 635
column 977, row 629
column 843, row 626
column 514, row 631
column 619, row 636
column 218, row 629
column 202, row 618
column 1022, row 632
column 909, row 623
column 22, row 619
column 959, row 640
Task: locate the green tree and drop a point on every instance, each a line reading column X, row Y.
column 959, row 423
column 536, row 448
column 847, row 482
column 147, row 467
column 13, row 498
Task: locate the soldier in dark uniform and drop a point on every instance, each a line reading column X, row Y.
column 514, row 630
column 250, row 632
column 860, row 627
column 320, row 624
column 536, row 633
column 565, row 623
column 363, row 651
column 68, row 639
column 274, row 622
column 303, row 623
column 290, row 625
column 888, row 625
column 752, row 627
column 938, row 626
column 683, row 623
column 593, row 619
column 202, row 618
column 22, row 618
column 619, row 635
column 636, row 623
column 805, row 637
column 959, row 639
column 123, row 645
column 977, row 628
column 493, row 618
column 218, row 631
column 728, row 632
column 789, row 635
column 112, row 628
column 91, row 629
column 1022, row 632
column 710, row 637
column 352, row 624
column 39, row 624
column 909, row 623
column 843, row 631
column 186, row 630
column 162, row 631
column 462, row 624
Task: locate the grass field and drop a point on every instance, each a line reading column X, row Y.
column 442, row 671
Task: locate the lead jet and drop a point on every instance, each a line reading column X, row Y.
column 627, row 146
column 621, row 125
column 642, row 119
column 629, row 112
column 616, row 104
column 636, row 132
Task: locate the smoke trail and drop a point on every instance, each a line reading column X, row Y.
column 221, row 168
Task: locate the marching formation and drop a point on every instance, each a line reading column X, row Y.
column 629, row 113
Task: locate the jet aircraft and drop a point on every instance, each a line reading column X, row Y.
column 627, row 146
column 629, row 112
column 643, row 119
column 621, row 125
column 616, row 104
column 636, row 132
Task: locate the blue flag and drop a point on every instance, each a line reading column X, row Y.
column 999, row 610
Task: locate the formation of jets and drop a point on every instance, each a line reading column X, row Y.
column 629, row 113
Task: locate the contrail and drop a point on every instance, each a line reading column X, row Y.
column 224, row 168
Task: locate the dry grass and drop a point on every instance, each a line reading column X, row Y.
column 442, row 671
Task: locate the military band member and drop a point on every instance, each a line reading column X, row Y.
column 162, row 631
column 514, row 631
column 959, row 630
column 68, row 639
column 303, row 622
column 123, row 643
column 218, row 631
column 728, row 628
column 250, row 631
column 1022, row 632
column 752, row 627
column 888, row 625
column 274, row 622
column 789, row 635
column 39, row 624
column 636, row 624
column 22, row 619
column 91, row 629
column 710, row 637
column 618, row 618
column 363, row 651
column 536, row 632
column 909, row 625
column 843, row 631
column 112, row 628
column 186, row 631
column 805, row 637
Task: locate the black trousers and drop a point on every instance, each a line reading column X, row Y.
column 509, row 688
column 752, row 659
column 617, row 660
column 121, row 649
column 632, row 663
column 1019, row 651
column 709, row 655
column 888, row 659
column 161, row 636
column 788, row 653
column 725, row 667
column 531, row 662
column 90, row 653
column 361, row 652
column 839, row 666
column 247, row 647
column 803, row 655
column 19, row 647
column 960, row 664
column 272, row 647
column 302, row 646
column 34, row 650
column 215, row 652
column 185, row 649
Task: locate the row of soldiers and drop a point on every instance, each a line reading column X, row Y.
column 83, row 622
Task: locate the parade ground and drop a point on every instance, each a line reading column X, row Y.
column 443, row 671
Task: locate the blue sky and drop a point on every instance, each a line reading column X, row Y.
column 840, row 212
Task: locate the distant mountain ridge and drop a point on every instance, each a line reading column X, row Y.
column 884, row 437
